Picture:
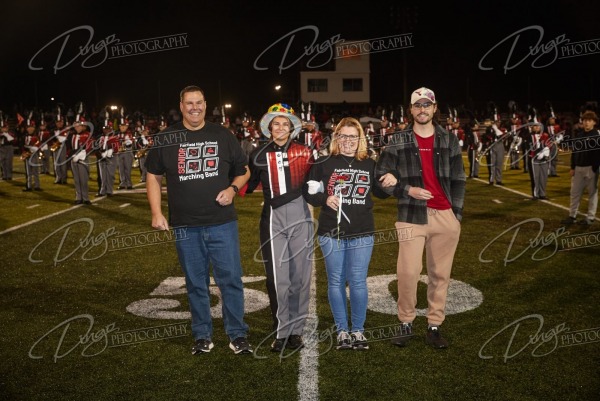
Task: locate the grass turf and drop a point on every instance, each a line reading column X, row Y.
column 557, row 284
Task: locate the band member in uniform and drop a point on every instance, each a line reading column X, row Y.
column 59, row 148
column 30, row 157
column 474, row 149
column 281, row 166
column 525, row 135
column 7, row 140
column 495, row 156
column 79, row 143
column 539, row 160
column 125, row 155
column 369, row 135
column 141, row 144
column 556, row 138
column 515, row 142
column 382, row 133
column 108, row 146
column 45, row 138
column 457, row 130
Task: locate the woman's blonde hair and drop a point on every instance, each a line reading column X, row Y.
column 361, row 152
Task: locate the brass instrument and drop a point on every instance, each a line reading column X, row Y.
column 54, row 147
column 138, row 155
column 25, row 155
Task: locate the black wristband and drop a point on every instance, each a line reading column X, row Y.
column 235, row 188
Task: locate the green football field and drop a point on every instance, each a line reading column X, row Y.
column 94, row 307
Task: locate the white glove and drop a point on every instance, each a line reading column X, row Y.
column 8, row 136
column 314, row 187
column 33, row 149
column 460, row 143
column 144, row 141
column 61, row 138
column 79, row 156
column 546, row 152
column 497, row 130
column 128, row 142
column 109, row 153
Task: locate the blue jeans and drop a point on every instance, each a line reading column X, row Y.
column 347, row 260
column 219, row 246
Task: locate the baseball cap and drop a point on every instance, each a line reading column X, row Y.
column 422, row 93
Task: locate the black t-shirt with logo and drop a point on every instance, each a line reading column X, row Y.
column 198, row 165
column 355, row 181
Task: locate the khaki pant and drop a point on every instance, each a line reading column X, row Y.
column 439, row 237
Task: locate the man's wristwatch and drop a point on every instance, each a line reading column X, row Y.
column 235, row 188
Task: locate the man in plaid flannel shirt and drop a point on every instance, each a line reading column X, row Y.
column 423, row 168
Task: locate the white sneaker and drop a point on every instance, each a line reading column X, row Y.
column 344, row 341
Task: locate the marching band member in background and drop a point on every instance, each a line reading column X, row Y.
column 7, row 140
column 495, row 148
column 539, row 160
column 79, row 144
column 457, row 130
column 515, row 143
column 474, row 149
column 59, row 148
column 141, row 144
column 125, row 155
column 30, row 157
column 556, row 138
column 108, row 146
column 45, row 138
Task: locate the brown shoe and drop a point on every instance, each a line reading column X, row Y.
column 404, row 336
column 435, row 339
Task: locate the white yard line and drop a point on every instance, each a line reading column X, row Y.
column 308, row 370
column 527, row 196
column 308, row 376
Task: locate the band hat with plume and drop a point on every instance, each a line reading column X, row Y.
column 282, row 110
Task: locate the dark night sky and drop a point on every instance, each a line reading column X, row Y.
column 225, row 38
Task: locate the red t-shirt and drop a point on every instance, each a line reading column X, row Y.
column 432, row 184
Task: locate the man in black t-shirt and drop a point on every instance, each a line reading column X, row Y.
column 204, row 166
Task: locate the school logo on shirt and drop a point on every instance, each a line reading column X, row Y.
column 198, row 160
column 353, row 184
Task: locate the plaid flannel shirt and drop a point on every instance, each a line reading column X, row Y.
column 401, row 157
